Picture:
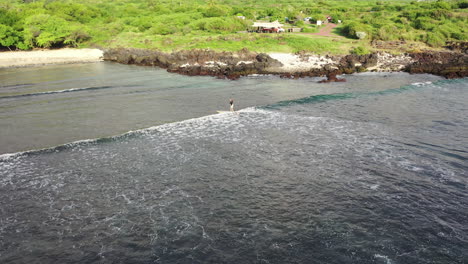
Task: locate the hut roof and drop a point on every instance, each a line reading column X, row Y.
column 274, row 24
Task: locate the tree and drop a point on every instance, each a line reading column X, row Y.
column 8, row 36
column 45, row 30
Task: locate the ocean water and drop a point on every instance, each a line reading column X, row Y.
column 108, row 163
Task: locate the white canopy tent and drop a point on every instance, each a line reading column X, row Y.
column 274, row 24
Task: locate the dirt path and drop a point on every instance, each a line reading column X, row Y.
column 326, row 30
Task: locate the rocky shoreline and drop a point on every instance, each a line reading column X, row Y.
column 233, row 65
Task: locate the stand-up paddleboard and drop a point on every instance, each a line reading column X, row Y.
column 222, row 112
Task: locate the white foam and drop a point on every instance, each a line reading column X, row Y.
column 8, row 156
column 421, row 83
column 385, row 258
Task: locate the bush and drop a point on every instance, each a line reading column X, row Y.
column 8, row 36
column 350, row 29
column 459, row 36
column 299, row 23
column 440, row 14
column 442, row 5
column 360, row 51
column 447, row 30
column 310, row 29
column 463, row 5
column 162, row 29
column 77, row 35
column 424, row 23
column 45, row 30
column 218, row 25
column 389, row 32
column 216, row 11
column 435, row 39
column 73, row 11
column 409, row 36
column 8, row 18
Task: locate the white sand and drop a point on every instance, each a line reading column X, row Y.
column 389, row 62
column 61, row 56
column 295, row 63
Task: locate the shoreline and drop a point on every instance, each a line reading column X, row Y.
column 15, row 59
column 233, row 65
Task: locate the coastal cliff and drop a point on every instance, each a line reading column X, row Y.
column 233, row 65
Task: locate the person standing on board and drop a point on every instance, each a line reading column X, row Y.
column 231, row 102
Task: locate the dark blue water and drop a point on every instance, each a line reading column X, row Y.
column 374, row 170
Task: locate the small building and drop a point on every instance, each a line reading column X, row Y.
column 268, row 27
column 294, row 29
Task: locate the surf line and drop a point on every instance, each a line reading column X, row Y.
column 50, row 149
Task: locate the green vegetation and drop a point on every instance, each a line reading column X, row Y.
column 216, row 24
column 360, row 51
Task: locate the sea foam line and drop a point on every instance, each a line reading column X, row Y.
column 59, row 91
column 163, row 127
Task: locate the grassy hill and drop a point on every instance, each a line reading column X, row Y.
column 175, row 24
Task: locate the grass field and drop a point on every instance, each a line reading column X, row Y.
column 282, row 42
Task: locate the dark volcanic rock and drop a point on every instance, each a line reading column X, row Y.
column 267, row 60
column 458, row 46
column 233, row 65
column 353, row 61
column 331, row 77
column 447, row 64
column 230, row 65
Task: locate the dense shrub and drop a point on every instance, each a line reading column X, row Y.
column 9, row 18
column 299, row 23
column 440, row 14
column 388, row 32
column 8, row 36
column 310, row 29
column 435, row 39
column 351, row 28
column 162, row 29
column 463, row 5
column 459, row 36
column 218, row 25
column 424, row 23
column 360, row 51
column 442, row 5
column 45, row 30
column 216, row 11
column 73, row 11
column 447, row 30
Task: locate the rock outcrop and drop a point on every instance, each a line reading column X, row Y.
column 233, row 65
column 448, row 64
column 230, row 65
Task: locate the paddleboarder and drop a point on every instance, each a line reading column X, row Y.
column 231, row 102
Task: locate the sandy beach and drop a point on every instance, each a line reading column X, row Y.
column 43, row 57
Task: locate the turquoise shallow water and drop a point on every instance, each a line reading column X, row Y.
column 373, row 170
